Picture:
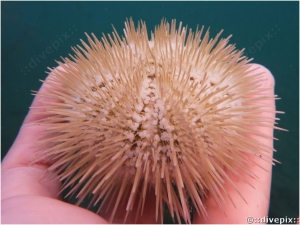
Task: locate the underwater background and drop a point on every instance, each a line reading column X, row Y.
column 35, row 34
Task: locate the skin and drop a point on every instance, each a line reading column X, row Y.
column 27, row 198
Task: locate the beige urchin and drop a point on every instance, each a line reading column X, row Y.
column 129, row 114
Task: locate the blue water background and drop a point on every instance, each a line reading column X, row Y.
column 34, row 34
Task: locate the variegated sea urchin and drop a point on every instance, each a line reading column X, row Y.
column 129, row 114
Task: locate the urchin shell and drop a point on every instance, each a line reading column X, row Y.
column 170, row 114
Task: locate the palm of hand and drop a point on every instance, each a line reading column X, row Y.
column 29, row 197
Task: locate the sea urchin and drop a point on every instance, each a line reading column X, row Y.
column 129, row 115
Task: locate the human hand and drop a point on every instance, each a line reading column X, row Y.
column 30, row 196
column 258, row 198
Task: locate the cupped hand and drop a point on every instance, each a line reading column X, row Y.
column 29, row 195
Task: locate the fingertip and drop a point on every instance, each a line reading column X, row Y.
column 37, row 107
column 269, row 81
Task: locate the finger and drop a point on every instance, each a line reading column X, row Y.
column 41, row 210
column 43, row 97
column 21, row 181
column 257, row 197
column 24, row 149
column 19, row 175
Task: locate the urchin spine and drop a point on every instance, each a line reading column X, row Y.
column 167, row 114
